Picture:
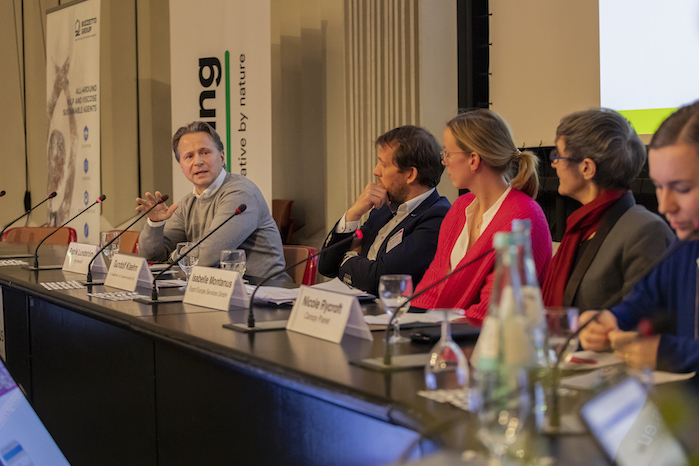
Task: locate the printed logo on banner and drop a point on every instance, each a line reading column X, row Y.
column 77, row 27
column 85, row 165
column 210, row 71
column 86, row 133
column 86, row 198
column 87, row 231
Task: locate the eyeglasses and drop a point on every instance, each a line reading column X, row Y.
column 553, row 156
column 445, row 154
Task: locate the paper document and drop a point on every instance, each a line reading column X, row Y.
column 429, row 317
column 586, row 360
column 274, row 294
column 337, row 286
column 592, row 379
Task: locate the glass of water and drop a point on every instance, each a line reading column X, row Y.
column 234, row 260
column 106, row 237
column 393, row 291
column 188, row 262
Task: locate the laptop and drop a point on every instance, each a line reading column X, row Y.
column 24, row 441
column 630, row 429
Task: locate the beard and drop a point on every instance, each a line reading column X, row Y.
column 397, row 193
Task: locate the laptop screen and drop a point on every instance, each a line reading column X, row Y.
column 24, row 440
column 630, row 429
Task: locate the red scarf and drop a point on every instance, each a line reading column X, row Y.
column 579, row 226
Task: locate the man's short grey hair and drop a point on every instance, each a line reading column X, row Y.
column 609, row 140
column 195, row 127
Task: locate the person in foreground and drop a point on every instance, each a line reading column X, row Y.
column 668, row 292
column 215, row 197
column 481, row 156
column 609, row 242
column 400, row 235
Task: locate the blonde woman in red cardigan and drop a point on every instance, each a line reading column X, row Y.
column 481, row 156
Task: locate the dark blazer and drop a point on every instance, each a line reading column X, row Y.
column 412, row 256
column 633, row 246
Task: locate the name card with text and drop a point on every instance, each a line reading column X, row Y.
column 79, row 256
column 327, row 315
column 128, row 272
column 216, row 288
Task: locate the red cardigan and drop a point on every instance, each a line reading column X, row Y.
column 470, row 289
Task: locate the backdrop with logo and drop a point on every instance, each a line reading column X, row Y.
column 73, row 112
column 220, row 61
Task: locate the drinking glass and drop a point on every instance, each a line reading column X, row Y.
column 106, row 237
column 393, row 291
column 188, row 262
column 447, row 368
column 561, row 323
column 233, row 260
column 504, row 406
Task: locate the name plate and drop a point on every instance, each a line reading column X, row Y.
column 79, row 256
column 327, row 315
column 216, row 288
column 127, row 272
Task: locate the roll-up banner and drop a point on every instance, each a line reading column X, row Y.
column 220, row 61
column 73, row 113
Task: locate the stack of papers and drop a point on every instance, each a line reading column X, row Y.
column 429, row 317
column 277, row 295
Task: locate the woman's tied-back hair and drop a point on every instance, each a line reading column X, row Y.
column 482, row 131
column 608, row 139
column 682, row 127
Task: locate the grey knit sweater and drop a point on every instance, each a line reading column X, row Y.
column 254, row 230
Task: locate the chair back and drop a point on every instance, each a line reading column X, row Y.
column 128, row 242
column 281, row 212
column 34, row 235
column 302, row 275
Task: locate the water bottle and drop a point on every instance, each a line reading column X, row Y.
column 531, row 291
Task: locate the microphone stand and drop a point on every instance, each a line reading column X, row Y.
column 281, row 324
column 154, row 292
column 89, row 282
column 17, row 256
column 36, row 252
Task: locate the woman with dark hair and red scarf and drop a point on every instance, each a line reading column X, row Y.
column 609, row 242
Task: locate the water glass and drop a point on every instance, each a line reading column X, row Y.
column 106, row 237
column 233, row 260
column 561, row 323
column 447, row 368
column 190, row 261
column 393, row 291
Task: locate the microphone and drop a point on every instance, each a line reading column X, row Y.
column 36, row 252
column 51, row 196
column 2, row 193
column 278, row 325
column 154, row 293
column 89, row 281
column 387, row 354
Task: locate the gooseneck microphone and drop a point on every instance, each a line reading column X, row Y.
column 36, row 252
column 154, row 293
column 387, row 354
column 51, row 196
column 89, row 281
column 358, row 234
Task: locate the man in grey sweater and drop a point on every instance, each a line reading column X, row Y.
column 216, row 196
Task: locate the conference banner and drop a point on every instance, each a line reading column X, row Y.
column 73, row 113
column 223, row 77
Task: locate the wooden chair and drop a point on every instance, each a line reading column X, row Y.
column 281, row 212
column 302, row 275
column 128, row 242
column 34, row 235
